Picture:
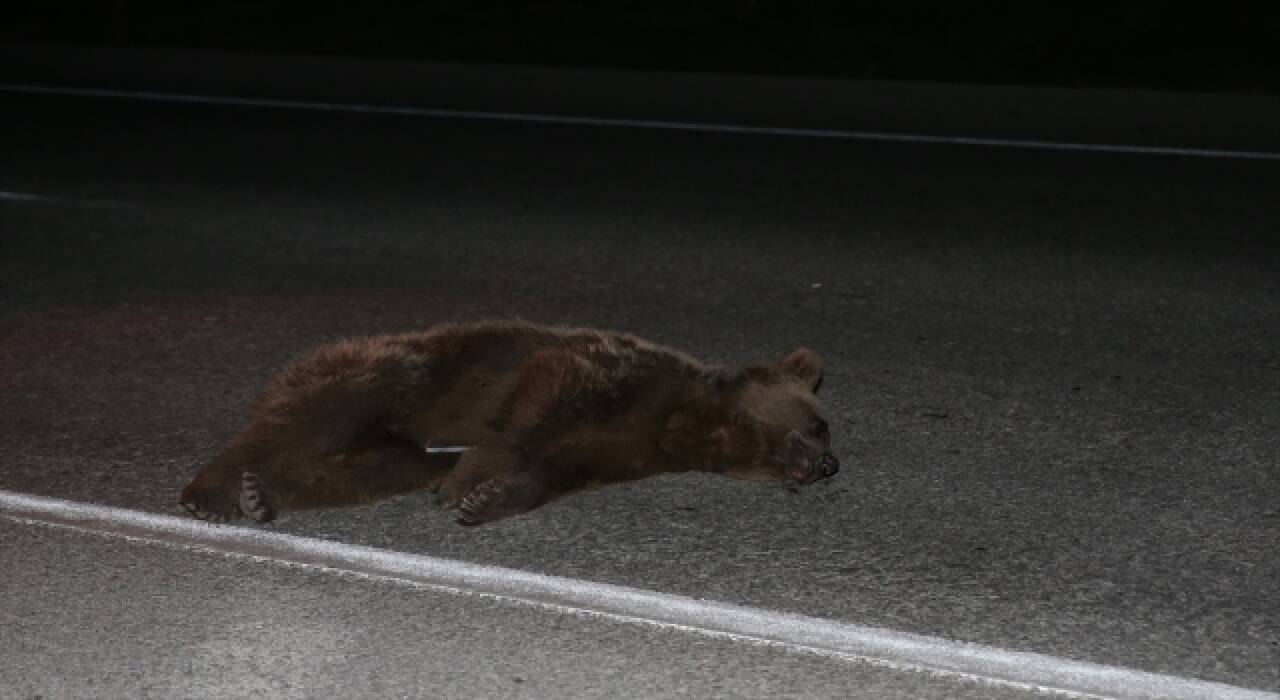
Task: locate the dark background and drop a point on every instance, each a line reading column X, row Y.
column 1164, row 45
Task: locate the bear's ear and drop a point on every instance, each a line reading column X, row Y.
column 805, row 365
column 703, row 440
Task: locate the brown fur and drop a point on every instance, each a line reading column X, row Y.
column 548, row 410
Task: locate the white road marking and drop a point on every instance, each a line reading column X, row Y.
column 832, row 638
column 60, row 201
column 642, row 123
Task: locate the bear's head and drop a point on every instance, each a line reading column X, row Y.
column 767, row 424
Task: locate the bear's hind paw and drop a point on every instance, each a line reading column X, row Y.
column 209, row 505
column 254, row 501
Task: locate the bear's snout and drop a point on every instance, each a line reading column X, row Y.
column 809, row 471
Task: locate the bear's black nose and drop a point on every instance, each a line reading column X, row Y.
column 828, row 464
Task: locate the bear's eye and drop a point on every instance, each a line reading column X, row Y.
column 821, row 430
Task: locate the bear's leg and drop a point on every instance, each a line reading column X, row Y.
column 266, row 487
column 353, row 477
column 318, row 415
column 475, row 467
column 332, row 432
column 493, row 482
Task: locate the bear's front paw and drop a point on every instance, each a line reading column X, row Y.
column 483, row 503
column 451, row 492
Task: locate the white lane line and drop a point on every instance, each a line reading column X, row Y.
column 643, row 123
column 883, row 647
column 60, row 201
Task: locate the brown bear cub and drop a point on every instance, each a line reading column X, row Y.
column 544, row 411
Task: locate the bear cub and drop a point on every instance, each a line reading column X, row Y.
column 542, row 412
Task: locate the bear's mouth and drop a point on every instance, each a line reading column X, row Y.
column 824, row 467
column 803, row 475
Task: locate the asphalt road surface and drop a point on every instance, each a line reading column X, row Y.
column 1054, row 378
